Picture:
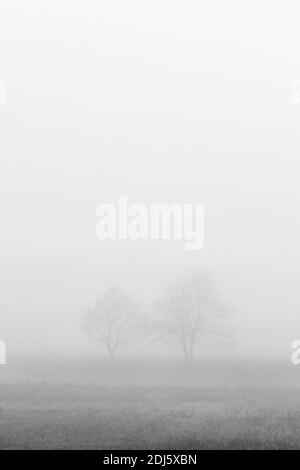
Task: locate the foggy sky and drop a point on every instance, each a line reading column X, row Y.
column 164, row 101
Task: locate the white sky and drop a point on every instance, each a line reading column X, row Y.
column 165, row 101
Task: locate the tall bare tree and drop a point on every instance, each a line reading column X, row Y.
column 113, row 320
column 190, row 311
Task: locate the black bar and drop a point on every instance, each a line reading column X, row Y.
column 139, row 458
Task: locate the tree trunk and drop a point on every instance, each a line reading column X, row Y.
column 192, row 351
column 188, row 351
column 185, row 352
column 111, row 354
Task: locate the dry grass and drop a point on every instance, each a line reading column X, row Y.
column 42, row 416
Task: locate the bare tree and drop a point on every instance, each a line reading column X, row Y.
column 113, row 320
column 190, row 311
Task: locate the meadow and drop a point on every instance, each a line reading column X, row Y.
column 149, row 405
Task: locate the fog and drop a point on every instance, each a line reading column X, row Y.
column 165, row 102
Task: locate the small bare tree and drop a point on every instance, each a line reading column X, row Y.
column 113, row 320
column 190, row 311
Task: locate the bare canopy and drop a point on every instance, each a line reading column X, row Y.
column 113, row 319
column 189, row 312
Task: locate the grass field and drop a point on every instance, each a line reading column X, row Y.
column 110, row 414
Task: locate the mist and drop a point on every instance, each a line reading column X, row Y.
column 165, row 102
column 138, row 342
